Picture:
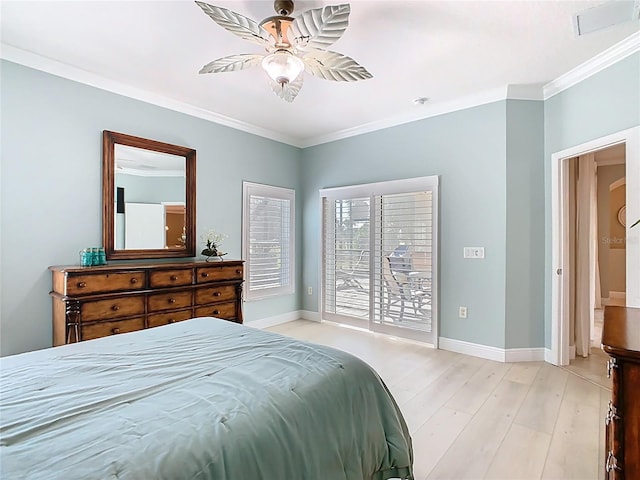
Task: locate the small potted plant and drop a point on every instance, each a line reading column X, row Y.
column 213, row 241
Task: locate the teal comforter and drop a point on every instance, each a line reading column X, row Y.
column 200, row 399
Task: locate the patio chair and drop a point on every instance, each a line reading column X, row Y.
column 400, row 290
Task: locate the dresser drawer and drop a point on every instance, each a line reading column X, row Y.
column 222, row 310
column 158, row 319
column 159, row 302
column 215, row 294
column 105, row 329
column 170, row 278
column 104, row 282
column 112, row 308
column 217, row 273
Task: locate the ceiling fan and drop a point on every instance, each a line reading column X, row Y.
column 292, row 45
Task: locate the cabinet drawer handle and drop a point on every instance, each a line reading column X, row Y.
column 115, row 331
column 612, row 463
column 238, row 271
column 115, row 308
column 171, row 320
column 174, row 278
column 205, row 274
column 134, row 281
column 172, row 300
column 81, row 284
column 216, row 294
column 612, row 414
column 216, row 312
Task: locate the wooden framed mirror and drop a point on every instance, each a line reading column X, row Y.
column 148, row 198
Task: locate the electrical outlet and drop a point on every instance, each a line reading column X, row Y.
column 309, row 290
column 462, row 313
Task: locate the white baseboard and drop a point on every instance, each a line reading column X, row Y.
column 548, row 356
column 513, row 355
column 276, row 320
column 493, row 353
column 309, row 315
column 474, row 349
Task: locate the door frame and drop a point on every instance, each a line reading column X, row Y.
column 559, row 351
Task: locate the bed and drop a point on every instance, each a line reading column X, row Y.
column 199, row 399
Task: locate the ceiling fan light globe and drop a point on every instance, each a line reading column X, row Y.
column 282, row 66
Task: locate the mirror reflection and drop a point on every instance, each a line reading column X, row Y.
column 150, row 194
column 148, row 198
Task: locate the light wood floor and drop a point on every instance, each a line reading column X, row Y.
column 472, row 418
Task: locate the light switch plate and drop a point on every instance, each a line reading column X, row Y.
column 473, row 252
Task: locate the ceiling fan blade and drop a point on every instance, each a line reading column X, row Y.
column 334, row 66
column 233, row 63
column 237, row 24
column 320, row 27
column 288, row 91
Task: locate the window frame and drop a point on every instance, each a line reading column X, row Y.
column 250, row 189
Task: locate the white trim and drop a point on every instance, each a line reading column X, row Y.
column 473, row 349
column 559, row 348
column 275, row 320
column 619, row 51
column 312, row 316
column 524, row 92
column 601, row 61
column 548, row 355
column 511, row 355
column 617, row 295
column 514, row 355
column 32, row 60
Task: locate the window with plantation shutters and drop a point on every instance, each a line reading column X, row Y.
column 268, row 240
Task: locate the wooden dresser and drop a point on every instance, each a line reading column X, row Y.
column 93, row 302
column 621, row 341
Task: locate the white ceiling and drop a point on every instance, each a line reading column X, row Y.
column 449, row 51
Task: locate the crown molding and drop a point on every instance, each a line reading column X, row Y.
column 48, row 65
column 422, row 112
column 617, row 52
column 596, row 64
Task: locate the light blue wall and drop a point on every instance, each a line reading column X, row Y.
column 51, row 148
column 605, row 103
column 138, row 189
column 525, row 224
column 494, row 192
column 467, row 150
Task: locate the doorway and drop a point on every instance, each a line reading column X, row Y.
column 379, row 257
column 596, row 156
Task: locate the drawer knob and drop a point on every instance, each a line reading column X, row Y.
column 216, row 294
column 134, row 281
column 174, row 278
column 612, row 463
column 205, row 274
column 238, row 271
column 172, row 300
column 115, row 308
column 216, row 312
column 82, row 284
column 171, row 320
column 115, row 331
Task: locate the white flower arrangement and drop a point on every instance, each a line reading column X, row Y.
column 213, row 241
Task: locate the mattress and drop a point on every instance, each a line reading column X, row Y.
column 200, row 399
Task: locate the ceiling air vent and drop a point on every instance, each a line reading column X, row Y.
column 606, row 15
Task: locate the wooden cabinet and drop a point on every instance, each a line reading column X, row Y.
column 93, row 302
column 621, row 341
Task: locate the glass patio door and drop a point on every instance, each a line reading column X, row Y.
column 379, row 257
